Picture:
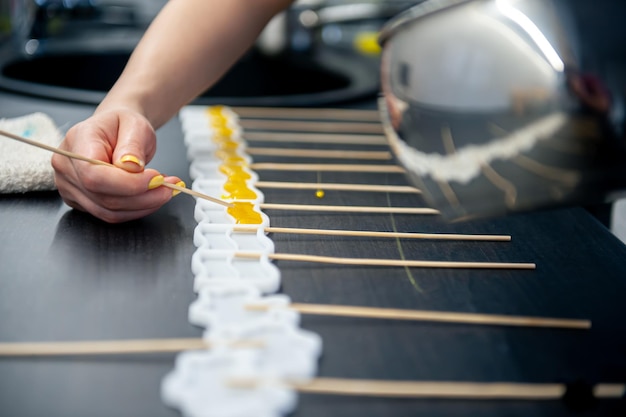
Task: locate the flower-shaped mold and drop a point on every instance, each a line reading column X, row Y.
column 284, row 350
column 212, row 168
column 206, row 148
column 211, row 267
column 223, row 237
column 198, row 119
column 236, row 305
column 229, row 190
column 209, row 212
column 203, row 144
column 200, row 386
column 200, row 112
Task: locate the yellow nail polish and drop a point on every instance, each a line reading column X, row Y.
column 155, row 182
column 176, row 192
column 133, row 159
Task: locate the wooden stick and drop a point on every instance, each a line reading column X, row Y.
column 441, row 389
column 328, row 127
column 360, row 115
column 360, row 233
column 114, row 347
column 385, row 262
column 272, row 166
column 292, row 137
column 376, row 188
column 439, row 316
column 197, row 194
column 348, row 209
column 102, row 347
column 321, row 153
column 98, row 162
column 54, row 149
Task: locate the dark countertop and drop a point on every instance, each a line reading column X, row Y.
column 67, row 276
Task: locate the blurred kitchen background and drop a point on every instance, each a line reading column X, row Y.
column 36, row 35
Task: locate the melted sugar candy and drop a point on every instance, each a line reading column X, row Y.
column 215, row 169
column 246, row 213
column 215, row 267
column 205, row 142
column 231, row 189
column 226, row 305
column 196, row 119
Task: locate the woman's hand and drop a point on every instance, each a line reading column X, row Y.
column 186, row 49
column 123, row 138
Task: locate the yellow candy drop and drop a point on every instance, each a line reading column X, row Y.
column 238, row 190
column 244, row 213
column 234, row 169
column 319, row 194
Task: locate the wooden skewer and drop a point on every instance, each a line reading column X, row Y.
column 329, row 127
column 272, row 166
column 54, row 149
column 433, row 389
column 348, row 209
column 431, row 316
column 97, row 162
column 292, row 137
column 319, row 153
column 361, row 115
column 377, row 188
column 385, row 262
column 197, row 194
column 114, row 347
column 361, row 233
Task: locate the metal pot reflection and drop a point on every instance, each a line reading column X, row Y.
column 497, row 106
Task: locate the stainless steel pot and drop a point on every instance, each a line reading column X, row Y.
column 498, row 106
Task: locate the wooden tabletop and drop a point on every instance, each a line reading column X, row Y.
column 67, row 276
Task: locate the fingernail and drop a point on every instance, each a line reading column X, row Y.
column 133, row 159
column 155, row 182
column 176, row 192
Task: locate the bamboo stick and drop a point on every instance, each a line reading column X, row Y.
column 348, row 209
column 376, row 234
column 328, row 127
column 439, row 316
column 360, row 115
column 271, row 166
column 376, row 188
column 321, row 153
column 103, row 163
column 441, row 389
column 385, row 262
column 298, row 137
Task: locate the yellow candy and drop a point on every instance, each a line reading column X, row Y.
column 238, row 190
column 234, row 169
column 228, row 145
column 244, row 213
column 319, row 194
column 215, row 111
column 229, row 156
column 223, row 131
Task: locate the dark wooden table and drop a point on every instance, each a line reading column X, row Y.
column 66, row 276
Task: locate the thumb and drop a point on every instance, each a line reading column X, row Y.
column 135, row 147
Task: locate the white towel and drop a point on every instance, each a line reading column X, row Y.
column 25, row 168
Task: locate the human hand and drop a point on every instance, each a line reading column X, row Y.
column 125, row 139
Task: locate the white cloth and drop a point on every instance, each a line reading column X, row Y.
column 25, row 168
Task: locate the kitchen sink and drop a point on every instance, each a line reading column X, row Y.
column 325, row 77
